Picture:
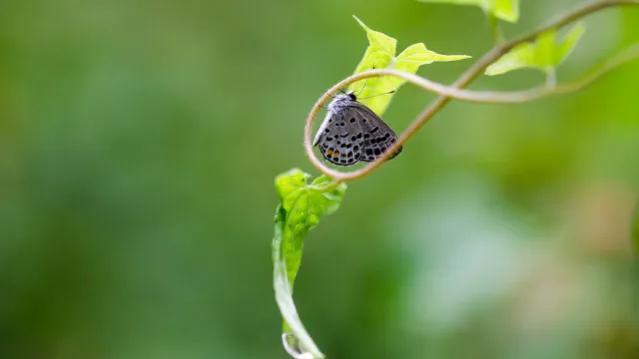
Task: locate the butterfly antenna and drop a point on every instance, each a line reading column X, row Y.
column 381, row 94
column 361, row 90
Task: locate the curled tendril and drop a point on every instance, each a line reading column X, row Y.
column 456, row 91
column 293, row 350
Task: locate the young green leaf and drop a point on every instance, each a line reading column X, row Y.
column 380, row 54
column 545, row 53
column 302, row 206
column 507, row 10
column 569, row 42
column 381, row 49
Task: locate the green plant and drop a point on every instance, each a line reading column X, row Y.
column 303, row 203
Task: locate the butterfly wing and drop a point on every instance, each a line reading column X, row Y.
column 377, row 136
column 354, row 133
column 337, row 138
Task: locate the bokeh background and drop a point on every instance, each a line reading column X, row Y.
column 138, row 145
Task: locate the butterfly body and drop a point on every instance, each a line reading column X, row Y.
column 352, row 132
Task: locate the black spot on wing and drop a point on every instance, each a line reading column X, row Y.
column 355, row 134
column 376, row 136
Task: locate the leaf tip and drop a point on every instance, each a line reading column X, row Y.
column 360, row 22
column 492, row 71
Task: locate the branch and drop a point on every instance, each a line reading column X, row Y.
column 446, row 93
column 627, row 55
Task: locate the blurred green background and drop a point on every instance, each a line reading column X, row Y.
column 138, row 145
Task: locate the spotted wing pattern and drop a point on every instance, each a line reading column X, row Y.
column 354, row 133
column 377, row 135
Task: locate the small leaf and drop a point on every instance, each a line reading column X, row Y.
column 507, row 10
column 417, row 54
column 569, row 42
column 519, row 57
column 304, row 203
column 302, row 206
column 380, row 54
column 289, row 182
column 545, row 53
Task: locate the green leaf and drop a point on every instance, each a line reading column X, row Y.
column 290, row 182
column 545, row 53
column 507, row 10
column 381, row 49
column 569, row 42
column 380, row 54
column 302, row 206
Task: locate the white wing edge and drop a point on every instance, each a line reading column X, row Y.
column 322, row 127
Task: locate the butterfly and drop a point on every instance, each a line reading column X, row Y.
column 352, row 132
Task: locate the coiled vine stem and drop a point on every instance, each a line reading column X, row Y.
column 457, row 91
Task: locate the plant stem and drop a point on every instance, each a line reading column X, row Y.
column 495, row 28
column 551, row 78
column 455, row 91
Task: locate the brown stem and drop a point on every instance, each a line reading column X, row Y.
column 446, row 93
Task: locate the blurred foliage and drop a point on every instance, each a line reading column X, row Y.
column 139, row 140
column 635, row 229
column 545, row 54
column 503, row 9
